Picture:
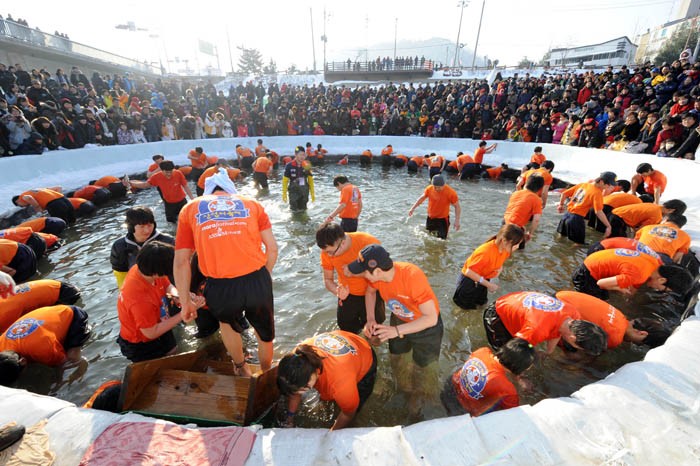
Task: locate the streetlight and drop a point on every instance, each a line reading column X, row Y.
column 396, row 26
column 462, row 4
column 483, row 4
column 324, row 37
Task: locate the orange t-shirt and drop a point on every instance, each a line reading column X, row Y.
column 620, row 242
column 275, row 157
column 28, row 296
column 140, row 305
column 452, row 164
column 152, row 167
column 486, row 260
column 639, row 215
column 439, row 202
column 87, row 192
column 583, row 197
column 611, row 320
column 656, row 179
column 49, row 239
column 39, row 335
column 358, row 241
column 42, row 196
column 186, row 170
column 544, row 173
column 482, row 385
column 479, row 155
column 535, row 317
column 408, row 290
column 212, row 159
column 225, row 230
column 523, row 204
column 350, row 196
column 464, row 159
column 198, row 160
column 171, row 188
column 436, row 161
column 106, row 181
column 8, row 250
column 665, row 238
column 260, row 150
column 495, row 172
column 244, row 152
column 211, row 171
column 418, row 160
column 76, row 202
column 367, row 153
column 631, row 268
column 402, row 157
column 616, row 200
column 346, row 360
column 538, row 158
column 262, row 165
column 19, row 234
column 36, row 224
column 387, row 151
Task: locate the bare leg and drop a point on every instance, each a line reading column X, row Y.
column 234, row 346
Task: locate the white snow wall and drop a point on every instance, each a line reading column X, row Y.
column 646, row 413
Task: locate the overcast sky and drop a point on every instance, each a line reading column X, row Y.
column 281, row 30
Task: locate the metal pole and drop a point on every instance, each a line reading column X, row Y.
column 313, row 45
column 218, row 64
column 230, row 56
column 325, row 39
column 463, row 3
column 396, row 25
column 483, row 4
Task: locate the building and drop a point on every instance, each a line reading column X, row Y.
column 615, row 52
column 686, row 16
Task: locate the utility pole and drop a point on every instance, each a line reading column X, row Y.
column 313, row 45
column 462, row 4
column 324, row 38
column 230, row 56
column 396, row 26
column 478, row 32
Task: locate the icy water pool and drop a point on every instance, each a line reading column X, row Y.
column 304, row 307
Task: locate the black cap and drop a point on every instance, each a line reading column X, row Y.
column 438, row 180
column 370, row 258
column 609, row 178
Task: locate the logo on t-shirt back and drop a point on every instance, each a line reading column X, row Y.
column 664, row 232
column 626, row 252
column 221, row 208
column 543, row 302
column 333, row 344
column 473, row 378
column 23, row 328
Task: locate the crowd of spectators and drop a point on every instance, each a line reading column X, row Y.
column 649, row 109
column 386, row 64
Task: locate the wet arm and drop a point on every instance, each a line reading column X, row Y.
column 271, row 250
column 416, row 204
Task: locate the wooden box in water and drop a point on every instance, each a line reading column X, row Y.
column 191, row 387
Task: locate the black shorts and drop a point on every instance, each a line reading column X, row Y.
column 116, row 190
column 38, row 245
column 496, row 332
column 434, row 171
column 196, row 173
column 573, row 226
column 349, row 225
column 425, row 344
column 450, row 169
column 85, row 209
column 365, row 160
column 438, row 226
column 593, row 220
column 78, row 331
column 298, row 197
column 260, row 179
column 61, row 208
column 101, row 196
column 387, row 161
column 469, row 294
column 24, row 263
column 54, row 225
column 398, row 163
column 470, row 170
column 228, row 298
column 412, row 166
column 172, row 210
column 595, row 247
column 352, row 314
column 68, row 294
column 366, row 384
column 585, row 283
column 154, row 349
column 247, row 163
column 618, row 227
column 199, row 191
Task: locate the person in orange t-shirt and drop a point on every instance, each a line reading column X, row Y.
column 17, row 260
column 641, row 331
column 33, row 295
column 536, row 159
column 260, row 149
column 414, row 164
column 625, row 270
column 667, row 238
column 82, row 207
column 482, row 150
column 582, row 198
column 155, row 166
column 350, row 205
column 234, row 174
column 639, row 215
column 52, row 225
column 172, row 186
column 525, row 206
column 145, row 324
column 340, row 365
column 25, row 235
column 237, row 251
column 481, row 385
column 436, row 163
column 386, row 156
column 95, row 194
column 198, row 160
column 49, row 199
column 338, row 249
column 415, row 323
column 366, row 158
column 545, row 171
column 649, row 181
column 440, row 196
column 616, row 199
column 538, row 317
column 400, row 161
column 262, row 167
column 619, row 242
column 49, row 335
column 116, row 187
column 494, row 173
column 485, row 264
